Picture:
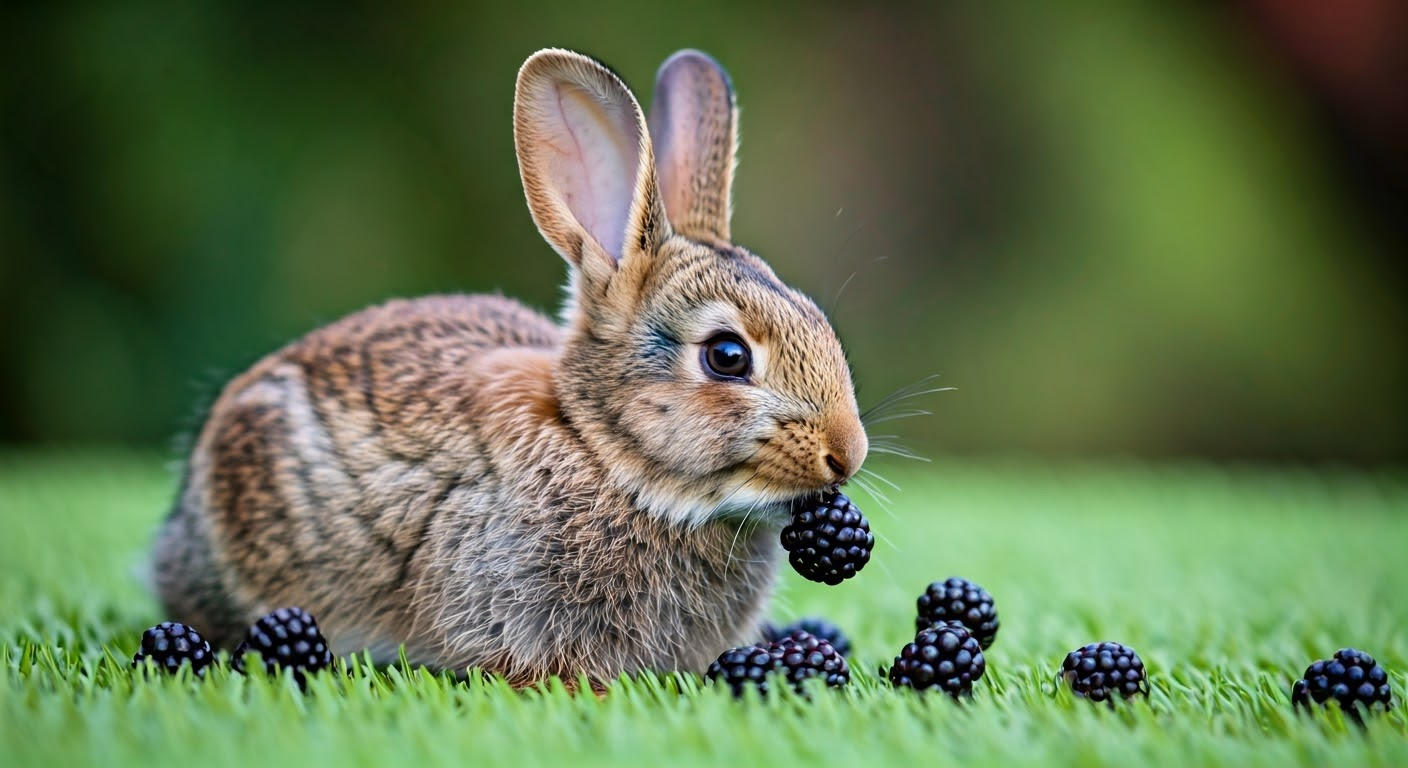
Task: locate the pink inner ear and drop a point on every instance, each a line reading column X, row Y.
column 671, row 155
column 691, row 126
column 596, row 156
column 677, row 122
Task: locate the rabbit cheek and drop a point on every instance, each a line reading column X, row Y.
column 693, row 436
column 721, row 424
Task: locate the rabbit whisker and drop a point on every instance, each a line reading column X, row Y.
column 874, row 493
column 733, row 545
column 836, row 299
column 890, row 445
column 897, row 415
column 881, row 478
column 917, row 389
column 880, row 409
column 870, row 488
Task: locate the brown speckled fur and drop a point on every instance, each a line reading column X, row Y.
column 464, row 477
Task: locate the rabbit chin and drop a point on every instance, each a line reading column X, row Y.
column 740, row 503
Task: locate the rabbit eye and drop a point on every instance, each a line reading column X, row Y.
column 727, row 357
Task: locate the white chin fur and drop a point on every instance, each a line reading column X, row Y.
column 742, row 504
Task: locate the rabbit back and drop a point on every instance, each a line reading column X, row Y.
column 318, row 472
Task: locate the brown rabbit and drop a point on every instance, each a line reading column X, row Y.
column 460, row 476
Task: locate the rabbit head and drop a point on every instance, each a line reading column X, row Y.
column 705, row 385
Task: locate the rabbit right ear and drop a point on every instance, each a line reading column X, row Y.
column 587, row 165
column 694, row 124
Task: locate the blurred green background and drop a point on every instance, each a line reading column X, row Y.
column 1159, row 229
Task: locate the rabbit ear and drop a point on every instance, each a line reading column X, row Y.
column 585, row 157
column 694, row 125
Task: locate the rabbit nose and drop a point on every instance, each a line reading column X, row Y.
column 848, row 446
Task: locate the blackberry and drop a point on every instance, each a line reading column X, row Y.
column 288, row 638
column 744, row 666
column 1350, row 678
column 170, row 644
column 962, row 601
column 796, row 658
column 1100, row 670
column 828, row 541
column 817, row 627
column 802, row 656
column 946, row 656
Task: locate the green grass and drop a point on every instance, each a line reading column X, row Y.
column 1228, row 583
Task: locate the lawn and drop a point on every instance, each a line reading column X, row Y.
column 1228, row 581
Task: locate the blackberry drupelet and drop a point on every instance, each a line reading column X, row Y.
column 744, row 666
column 288, row 638
column 959, row 600
column 1352, row 679
column 817, row 627
column 171, row 644
column 947, row 657
column 1100, row 670
column 802, row 656
column 828, row 541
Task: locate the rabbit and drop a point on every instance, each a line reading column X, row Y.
column 460, row 479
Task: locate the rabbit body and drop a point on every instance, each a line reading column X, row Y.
column 461, row 477
column 403, row 475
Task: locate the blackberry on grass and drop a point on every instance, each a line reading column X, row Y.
column 795, row 658
column 947, row 657
column 1352, row 679
column 803, row 656
column 170, row 644
column 1100, row 670
column 816, row 627
column 828, row 540
column 959, row 600
column 287, row 638
column 743, row 666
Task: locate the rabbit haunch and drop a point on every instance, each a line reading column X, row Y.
column 460, row 476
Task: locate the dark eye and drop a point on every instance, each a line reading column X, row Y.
column 725, row 356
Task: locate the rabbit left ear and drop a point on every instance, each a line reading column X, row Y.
column 694, row 130
column 586, row 162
